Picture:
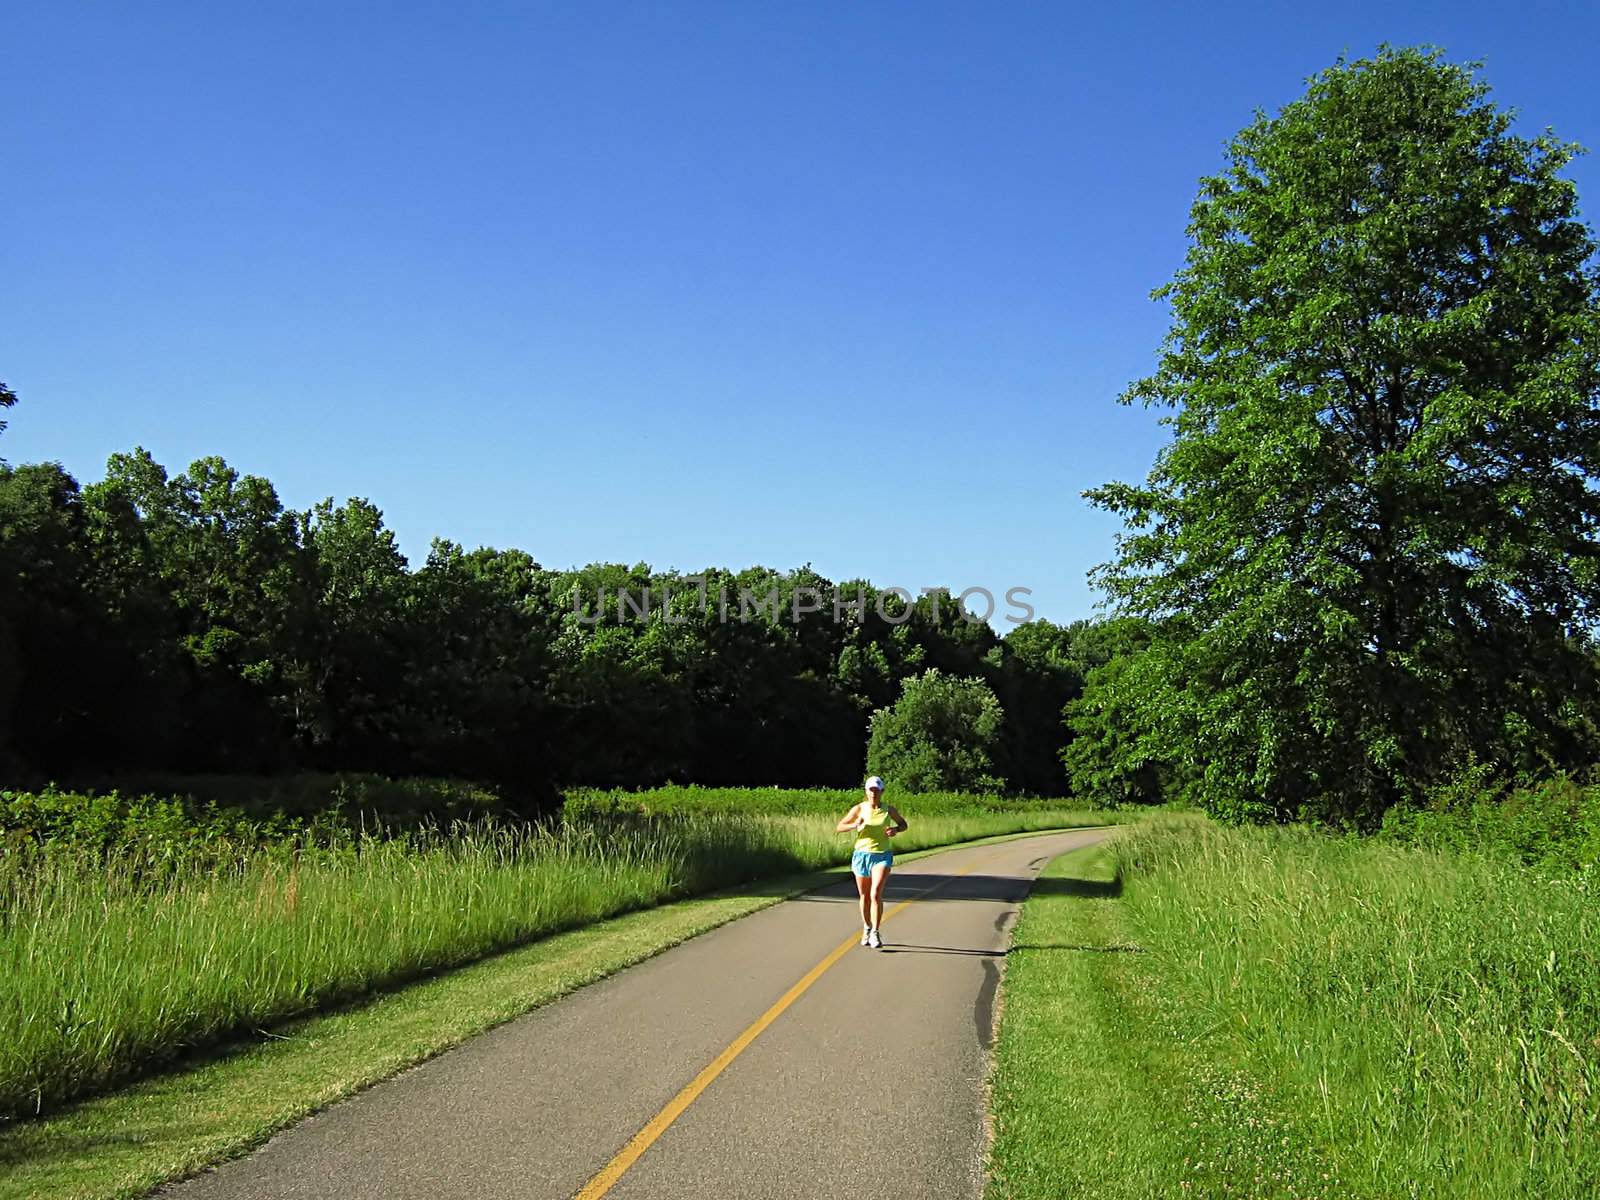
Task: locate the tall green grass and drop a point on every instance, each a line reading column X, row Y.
column 109, row 968
column 1107, row 1085
column 112, row 962
column 792, row 801
column 1436, row 1018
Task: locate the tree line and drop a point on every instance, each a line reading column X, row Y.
column 191, row 623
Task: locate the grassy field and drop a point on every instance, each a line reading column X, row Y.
column 113, row 965
column 122, row 1144
column 1212, row 1011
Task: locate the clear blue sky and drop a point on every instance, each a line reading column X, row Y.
column 691, row 284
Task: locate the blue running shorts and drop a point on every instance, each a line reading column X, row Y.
column 862, row 861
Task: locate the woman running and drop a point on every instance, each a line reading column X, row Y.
column 870, row 822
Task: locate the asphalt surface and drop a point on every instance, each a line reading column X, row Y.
column 868, row 1083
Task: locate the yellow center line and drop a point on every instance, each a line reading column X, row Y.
column 642, row 1141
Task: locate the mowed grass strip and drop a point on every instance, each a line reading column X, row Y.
column 1104, row 1085
column 163, row 1128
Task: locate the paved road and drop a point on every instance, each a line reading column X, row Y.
column 868, row 1083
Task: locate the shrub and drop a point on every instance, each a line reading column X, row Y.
column 1551, row 824
column 941, row 735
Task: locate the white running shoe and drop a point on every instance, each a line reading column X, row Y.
column 874, row 940
column 866, row 937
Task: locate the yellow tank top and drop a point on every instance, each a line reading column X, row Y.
column 871, row 837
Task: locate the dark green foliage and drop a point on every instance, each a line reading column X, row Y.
column 811, row 802
column 1370, row 546
column 213, row 819
column 153, row 624
column 1112, row 758
column 227, row 601
column 374, row 801
column 1035, row 672
column 65, row 670
column 940, row 736
column 165, row 830
column 477, row 644
column 1552, row 824
column 354, row 664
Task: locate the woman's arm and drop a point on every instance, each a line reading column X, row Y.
column 848, row 822
column 900, row 825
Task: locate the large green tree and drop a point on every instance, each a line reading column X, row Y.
column 76, row 688
column 1113, row 754
column 1371, row 543
column 1036, row 671
column 356, row 664
column 243, row 589
column 476, row 693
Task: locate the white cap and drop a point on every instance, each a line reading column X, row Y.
column 874, row 784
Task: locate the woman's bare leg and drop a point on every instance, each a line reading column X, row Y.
column 864, row 889
column 880, row 880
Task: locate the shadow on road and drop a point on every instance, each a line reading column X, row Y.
column 973, row 887
column 914, row 948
